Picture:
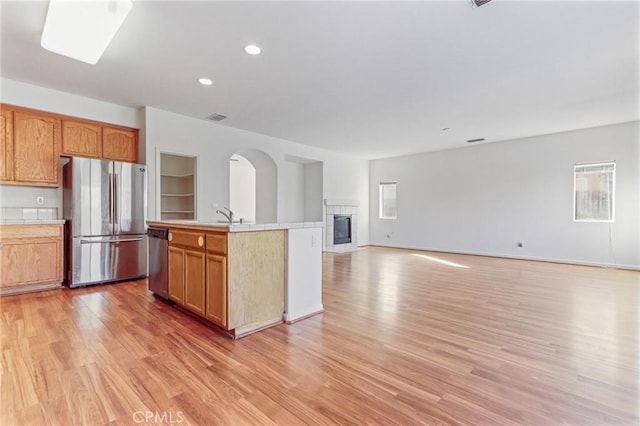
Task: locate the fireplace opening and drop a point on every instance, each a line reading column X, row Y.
column 341, row 229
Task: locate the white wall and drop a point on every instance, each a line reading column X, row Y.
column 242, row 181
column 312, row 188
column 343, row 178
column 485, row 199
column 29, row 96
column 36, row 97
column 294, row 188
column 304, row 189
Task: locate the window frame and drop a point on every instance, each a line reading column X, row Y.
column 381, row 200
column 611, row 194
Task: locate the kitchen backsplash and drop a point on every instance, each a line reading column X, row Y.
column 27, row 196
column 9, row 214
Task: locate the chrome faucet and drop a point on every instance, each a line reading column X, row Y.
column 229, row 216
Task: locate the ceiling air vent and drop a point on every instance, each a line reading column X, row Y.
column 475, row 140
column 216, row 117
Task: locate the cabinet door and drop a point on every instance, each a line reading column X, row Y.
column 6, row 145
column 216, row 309
column 194, row 281
column 120, row 144
column 36, row 149
column 24, row 262
column 81, row 139
column 176, row 275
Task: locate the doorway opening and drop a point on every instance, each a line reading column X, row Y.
column 253, row 186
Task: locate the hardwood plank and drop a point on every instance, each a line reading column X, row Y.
column 85, row 407
column 404, row 339
column 275, row 412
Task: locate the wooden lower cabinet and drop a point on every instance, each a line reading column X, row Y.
column 176, row 274
column 186, row 279
column 216, row 289
column 194, row 272
column 198, row 273
column 187, row 270
column 30, row 258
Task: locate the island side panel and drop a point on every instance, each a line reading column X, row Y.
column 256, row 279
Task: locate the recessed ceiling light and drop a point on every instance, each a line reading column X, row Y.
column 252, row 49
column 205, row 81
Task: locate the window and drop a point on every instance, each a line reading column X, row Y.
column 594, row 186
column 388, row 200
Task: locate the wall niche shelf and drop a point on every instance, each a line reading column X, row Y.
column 177, row 187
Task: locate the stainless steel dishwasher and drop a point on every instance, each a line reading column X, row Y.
column 158, row 265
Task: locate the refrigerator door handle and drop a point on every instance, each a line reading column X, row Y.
column 110, row 198
column 116, row 209
column 121, row 240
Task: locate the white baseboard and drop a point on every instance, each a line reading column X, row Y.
column 511, row 256
column 289, row 319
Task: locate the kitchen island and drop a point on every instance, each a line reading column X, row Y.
column 237, row 276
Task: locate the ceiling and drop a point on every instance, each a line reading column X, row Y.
column 373, row 79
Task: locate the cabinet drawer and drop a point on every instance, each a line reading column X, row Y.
column 217, row 243
column 186, row 239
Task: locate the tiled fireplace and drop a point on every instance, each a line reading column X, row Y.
column 341, row 229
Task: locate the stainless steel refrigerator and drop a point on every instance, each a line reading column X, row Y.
column 104, row 204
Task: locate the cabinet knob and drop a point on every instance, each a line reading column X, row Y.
column 170, row 236
column 200, row 241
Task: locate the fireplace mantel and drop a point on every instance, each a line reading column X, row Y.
column 336, row 202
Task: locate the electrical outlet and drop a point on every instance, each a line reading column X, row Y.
column 40, row 200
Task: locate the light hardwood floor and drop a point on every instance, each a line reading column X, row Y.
column 405, row 339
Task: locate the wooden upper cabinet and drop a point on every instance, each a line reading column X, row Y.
column 90, row 139
column 81, row 139
column 31, row 143
column 36, row 149
column 6, row 145
column 120, row 144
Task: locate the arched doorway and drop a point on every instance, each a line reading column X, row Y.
column 253, row 190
